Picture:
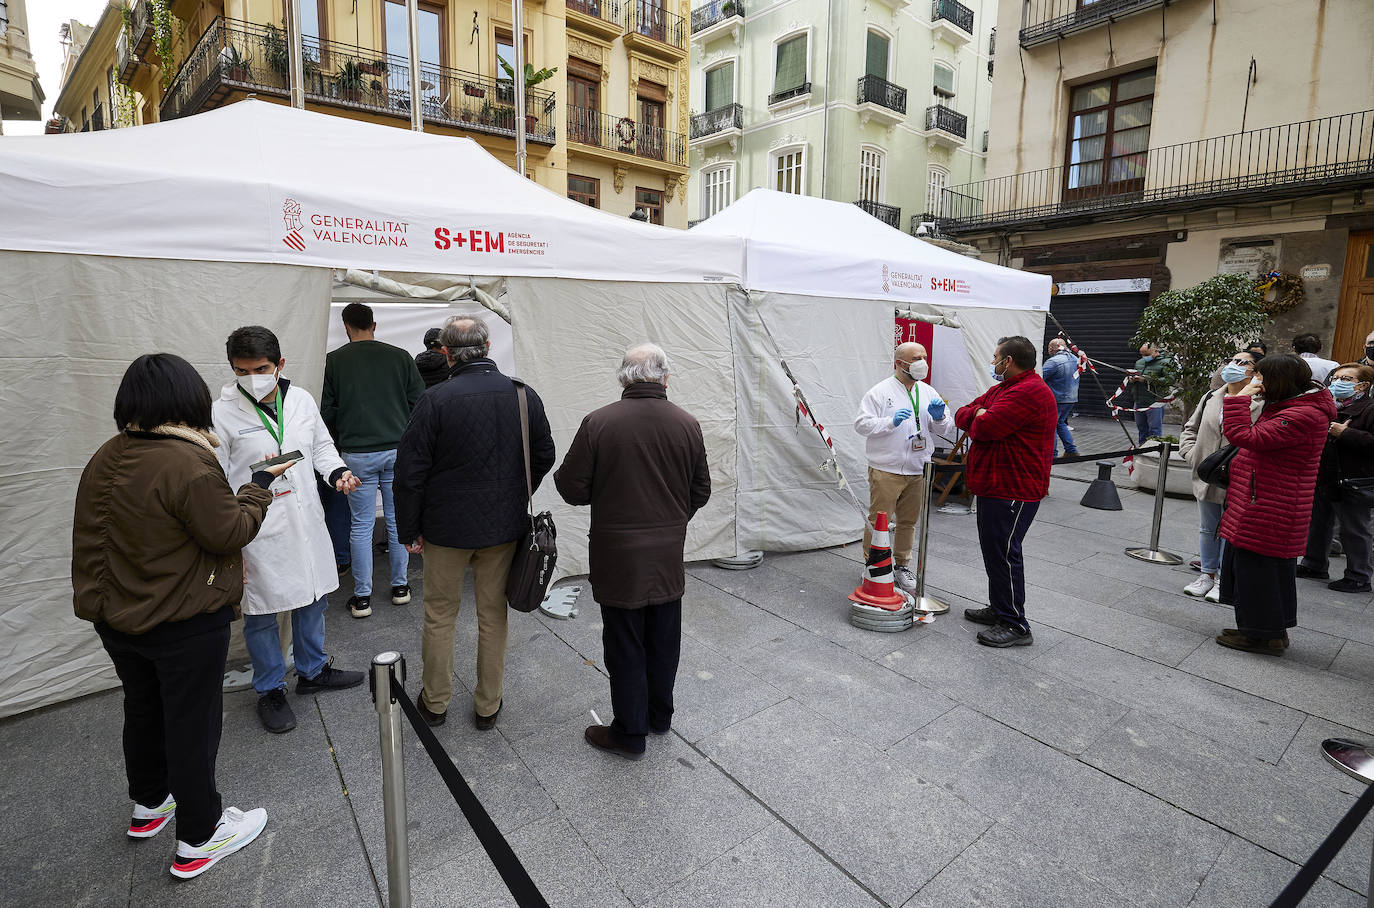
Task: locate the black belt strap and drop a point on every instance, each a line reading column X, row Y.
column 1326, row 852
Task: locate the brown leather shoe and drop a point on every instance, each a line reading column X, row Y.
column 1232, row 632
column 1245, row 644
column 432, row 719
column 600, row 737
column 487, row 723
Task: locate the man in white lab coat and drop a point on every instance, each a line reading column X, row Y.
column 901, row 417
column 289, row 567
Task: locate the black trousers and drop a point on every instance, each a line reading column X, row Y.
column 173, row 681
column 1002, row 526
column 1263, row 590
column 1357, row 534
column 642, row 648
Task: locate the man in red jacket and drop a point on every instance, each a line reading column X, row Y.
column 1012, row 429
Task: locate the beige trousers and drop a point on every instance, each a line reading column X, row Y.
column 900, row 497
column 443, row 592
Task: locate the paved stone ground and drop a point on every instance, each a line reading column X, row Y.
column 1124, row 759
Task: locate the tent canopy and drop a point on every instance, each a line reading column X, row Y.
column 259, row 182
column 814, row 247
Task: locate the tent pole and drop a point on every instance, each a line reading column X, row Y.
column 297, row 66
column 517, row 11
column 417, row 116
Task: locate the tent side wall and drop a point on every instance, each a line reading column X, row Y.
column 570, row 336
column 72, row 324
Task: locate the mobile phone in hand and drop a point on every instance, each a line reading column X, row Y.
column 273, row 461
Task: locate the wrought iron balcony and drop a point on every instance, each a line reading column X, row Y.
column 890, row 215
column 125, row 61
column 953, row 11
column 873, row 90
column 647, row 19
column 731, row 116
column 948, row 120
column 985, row 141
column 1259, row 165
column 140, row 27
column 1046, row 20
column 779, row 97
column 716, row 12
column 625, row 136
column 604, row 15
column 241, row 56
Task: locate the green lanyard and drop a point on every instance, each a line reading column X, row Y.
column 280, row 432
column 915, row 406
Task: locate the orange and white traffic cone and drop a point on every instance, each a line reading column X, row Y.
column 877, row 588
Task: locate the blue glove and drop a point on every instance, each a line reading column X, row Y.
column 936, row 409
column 900, row 417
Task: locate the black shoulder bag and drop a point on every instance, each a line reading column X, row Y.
column 1215, row 469
column 536, row 553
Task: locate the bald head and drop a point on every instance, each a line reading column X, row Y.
column 1057, row 346
column 644, row 362
column 910, row 364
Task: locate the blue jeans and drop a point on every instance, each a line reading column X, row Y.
column 1062, row 428
column 338, row 518
column 374, row 470
column 1209, row 544
column 264, row 645
column 1149, row 423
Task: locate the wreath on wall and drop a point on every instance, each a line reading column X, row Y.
column 1280, row 292
column 625, row 130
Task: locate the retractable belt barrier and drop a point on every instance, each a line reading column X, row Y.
column 1326, row 852
column 953, row 469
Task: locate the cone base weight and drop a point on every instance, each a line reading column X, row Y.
column 1354, row 758
column 1154, row 556
column 932, row 606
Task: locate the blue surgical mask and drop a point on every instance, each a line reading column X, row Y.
column 1231, row 373
column 1342, row 388
column 992, row 370
column 1147, row 358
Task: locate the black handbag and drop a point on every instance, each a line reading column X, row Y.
column 1215, row 469
column 531, row 571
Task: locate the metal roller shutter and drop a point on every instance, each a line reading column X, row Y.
column 1101, row 325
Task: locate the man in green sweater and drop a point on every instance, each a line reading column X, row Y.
column 369, row 390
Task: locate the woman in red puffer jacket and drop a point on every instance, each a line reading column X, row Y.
column 1269, row 499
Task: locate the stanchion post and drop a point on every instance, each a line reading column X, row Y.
column 1153, row 554
column 924, row 603
column 384, row 667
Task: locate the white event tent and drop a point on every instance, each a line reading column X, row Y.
column 824, row 279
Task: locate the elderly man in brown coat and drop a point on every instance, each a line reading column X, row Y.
column 641, row 465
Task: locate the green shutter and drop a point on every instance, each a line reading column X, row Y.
column 877, row 56
column 791, row 71
column 720, row 87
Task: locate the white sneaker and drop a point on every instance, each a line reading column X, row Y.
column 1214, row 594
column 235, row 830
column 904, row 578
column 1200, row 587
column 148, row 821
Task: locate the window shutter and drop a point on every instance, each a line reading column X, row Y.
column 791, row 70
column 877, row 56
column 720, row 87
column 943, row 80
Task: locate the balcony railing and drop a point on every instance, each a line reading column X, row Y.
column 140, row 27
column 953, row 11
column 715, row 12
column 873, row 90
column 1288, row 161
column 241, row 56
column 890, row 215
column 985, row 141
column 947, row 120
column 731, row 116
column 605, row 10
column 624, row 135
column 648, row 18
column 125, row 61
column 1046, row 20
column 788, row 94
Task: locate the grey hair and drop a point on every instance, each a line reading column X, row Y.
column 465, row 337
column 645, row 362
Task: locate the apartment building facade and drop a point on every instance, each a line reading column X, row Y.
column 21, row 97
column 1142, row 145
column 883, row 103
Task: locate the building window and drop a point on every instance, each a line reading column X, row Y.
column 585, row 190
column 788, row 171
column 717, row 189
column 430, row 21
column 942, row 82
column 584, row 102
column 876, row 55
column 720, row 86
column 649, row 138
column 650, row 201
column 4, row 16
column 789, row 71
column 871, row 174
column 937, row 178
column 1109, row 135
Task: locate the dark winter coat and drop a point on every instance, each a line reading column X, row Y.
column 1274, row 472
column 433, row 366
column 641, row 464
column 1351, row 456
column 460, row 466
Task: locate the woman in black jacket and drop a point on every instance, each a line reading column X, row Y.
column 1349, row 454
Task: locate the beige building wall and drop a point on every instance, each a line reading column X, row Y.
column 21, row 97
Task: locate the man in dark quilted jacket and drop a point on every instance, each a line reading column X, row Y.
column 460, row 500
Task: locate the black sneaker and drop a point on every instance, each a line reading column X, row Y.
column 1004, row 635
column 486, row 723
column 432, row 719
column 360, row 606
column 275, row 712
column 400, row 595
column 329, row 678
column 1311, row 573
column 980, row 615
column 1346, row 585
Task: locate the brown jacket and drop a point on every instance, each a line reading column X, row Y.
column 157, row 532
column 641, row 464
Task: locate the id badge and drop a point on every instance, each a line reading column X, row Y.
column 282, row 485
column 918, row 443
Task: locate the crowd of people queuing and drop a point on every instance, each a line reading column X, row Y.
column 257, row 502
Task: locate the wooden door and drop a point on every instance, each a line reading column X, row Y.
column 1355, row 319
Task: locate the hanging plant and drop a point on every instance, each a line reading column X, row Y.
column 125, row 106
column 160, row 12
column 1280, row 292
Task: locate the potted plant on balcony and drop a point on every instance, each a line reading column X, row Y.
column 731, row 8
column 238, row 66
column 275, row 52
column 532, row 78
column 473, row 90
column 349, row 81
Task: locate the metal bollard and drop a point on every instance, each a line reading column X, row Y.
column 924, row 603
column 1153, row 554
column 393, row 777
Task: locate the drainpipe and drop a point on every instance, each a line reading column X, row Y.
column 517, row 15
column 417, row 116
column 297, row 66
column 825, row 98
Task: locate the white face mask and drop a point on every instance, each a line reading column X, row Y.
column 918, row 370
column 258, row 385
